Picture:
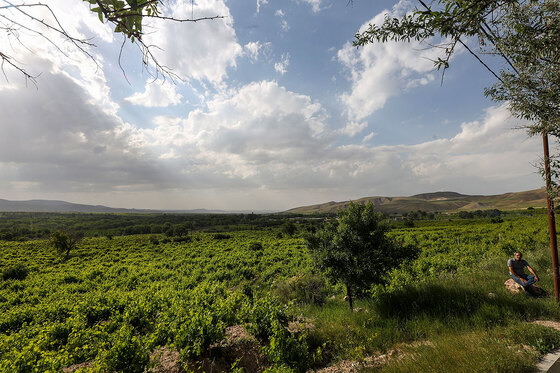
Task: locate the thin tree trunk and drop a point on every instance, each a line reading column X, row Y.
column 349, row 294
column 551, row 219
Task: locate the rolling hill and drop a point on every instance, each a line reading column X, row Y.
column 438, row 202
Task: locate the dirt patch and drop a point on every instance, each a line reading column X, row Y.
column 301, row 324
column 238, row 347
column 374, row 361
column 236, row 334
column 74, row 367
column 548, row 324
column 166, row 360
column 350, row 366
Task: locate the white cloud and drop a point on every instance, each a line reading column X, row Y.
column 203, row 50
column 54, row 53
column 282, row 66
column 259, row 144
column 353, row 128
column 379, row 71
column 252, row 50
column 259, row 3
column 283, row 23
column 315, row 5
column 156, row 94
column 368, row 137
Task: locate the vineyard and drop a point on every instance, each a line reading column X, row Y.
column 132, row 303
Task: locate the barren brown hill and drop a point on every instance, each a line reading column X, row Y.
column 438, row 202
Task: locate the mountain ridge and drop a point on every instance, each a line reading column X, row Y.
column 443, row 201
column 437, row 202
column 43, row 205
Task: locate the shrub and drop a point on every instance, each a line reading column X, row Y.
column 308, row 289
column 182, row 239
column 255, row 246
column 17, row 272
column 127, row 354
column 221, row 236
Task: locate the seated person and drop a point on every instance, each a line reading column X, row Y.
column 516, row 270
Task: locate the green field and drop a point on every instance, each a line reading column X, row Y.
column 127, row 303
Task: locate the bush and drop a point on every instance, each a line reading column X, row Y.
column 221, row 236
column 17, row 272
column 182, row 239
column 255, row 246
column 308, row 289
column 127, row 354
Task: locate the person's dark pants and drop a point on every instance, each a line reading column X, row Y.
column 527, row 285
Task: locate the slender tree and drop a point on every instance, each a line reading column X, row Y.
column 64, row 242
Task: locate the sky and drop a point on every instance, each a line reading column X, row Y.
column 275, row 109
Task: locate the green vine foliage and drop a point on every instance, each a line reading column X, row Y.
column 113, row 303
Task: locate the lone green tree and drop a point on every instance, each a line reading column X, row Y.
column 355, row 249
column 64, row 242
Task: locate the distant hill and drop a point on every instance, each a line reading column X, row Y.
column 437, row 202
column 39, row 205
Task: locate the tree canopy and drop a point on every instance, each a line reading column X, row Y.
column 355, row 249
column 64, row 242
column 524, row 34
column 126, row 17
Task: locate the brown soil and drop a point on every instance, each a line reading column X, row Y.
column 72, row 368
column 238, row 347
column 349, row 366
column 548, row 323
column 166, row 361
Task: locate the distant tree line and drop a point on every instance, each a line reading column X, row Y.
column 25, row 226
column 494, row 213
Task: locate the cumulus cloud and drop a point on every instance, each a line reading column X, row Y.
column 264, row 137
column 259, row 3
column 283, row 23
column 282, row 66
column 259, row 143
column 156, row 94
column 379, row 71
column 316, row 5
column 353, row 128
column 56, row 54
column 252, row 50
column 369, row 136
column 202, row 50
column 245, row 132
column 67, row 142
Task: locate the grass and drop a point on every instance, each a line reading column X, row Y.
column 449, row 325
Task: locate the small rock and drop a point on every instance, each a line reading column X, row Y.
column 492, row 295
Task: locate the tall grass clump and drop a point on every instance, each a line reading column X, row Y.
column 472, row 352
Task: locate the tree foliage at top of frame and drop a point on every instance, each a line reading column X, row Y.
column 530, row 37
column 127, row 18
column 525, row 34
